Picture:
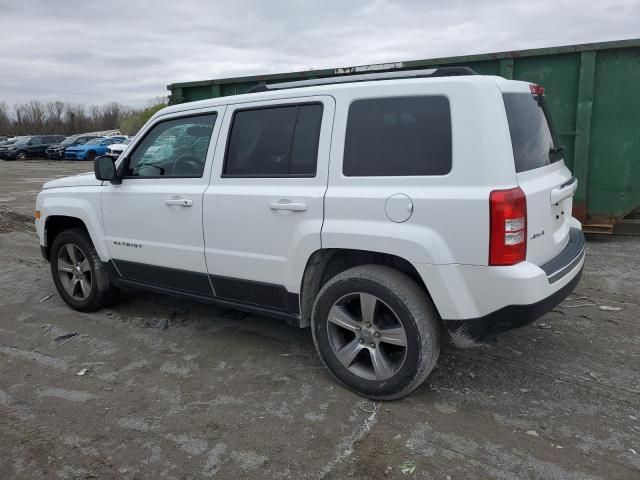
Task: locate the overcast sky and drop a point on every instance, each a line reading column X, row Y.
column 128, row 51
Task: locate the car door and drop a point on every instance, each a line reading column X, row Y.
column 34, row 146
column 264, row 208
column 153, row 219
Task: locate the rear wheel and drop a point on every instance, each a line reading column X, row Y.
column 78, row 273
column 376, row 331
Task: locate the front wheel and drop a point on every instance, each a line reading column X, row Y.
column 91, row 155
column 21, row 156
column 78, row 273
column 376, row 331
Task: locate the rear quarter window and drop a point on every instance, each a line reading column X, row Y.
column 532, row 135
column 398, row 136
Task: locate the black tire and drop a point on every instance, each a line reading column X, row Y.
column 411, row 307
column 91, row 155
column 102, row 291
column 22, row 156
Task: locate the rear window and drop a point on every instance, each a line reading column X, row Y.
column 532, row 136
column 398, row 136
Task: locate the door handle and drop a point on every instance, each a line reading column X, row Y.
column 565, row 190
column 180, row 202
column 290, row 206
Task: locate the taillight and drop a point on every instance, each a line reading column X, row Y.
column 536, row 89
column 508, row 223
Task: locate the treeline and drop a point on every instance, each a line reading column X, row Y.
column 36, row 117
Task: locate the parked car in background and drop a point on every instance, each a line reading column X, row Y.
column 57, row 150
column 4, row 146
column 115, row 150
column 92, row 149
column 31, row 146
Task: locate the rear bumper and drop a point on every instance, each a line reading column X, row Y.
column 476, row 302
column 466, row 333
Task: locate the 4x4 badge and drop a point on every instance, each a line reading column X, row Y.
column 536, row 235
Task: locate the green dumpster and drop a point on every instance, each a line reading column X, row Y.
column 593, row 93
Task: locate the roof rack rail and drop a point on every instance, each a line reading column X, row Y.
column 366, row 77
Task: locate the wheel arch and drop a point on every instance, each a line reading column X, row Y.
column 63, row 213
column 325, row 264
column 55, row 225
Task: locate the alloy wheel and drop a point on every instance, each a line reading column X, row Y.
column 366, row 336
column 74, row 271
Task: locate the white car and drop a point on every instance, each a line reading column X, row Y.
column 116, row 149
column 384, row 211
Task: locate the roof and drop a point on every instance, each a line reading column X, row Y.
column 322, row 89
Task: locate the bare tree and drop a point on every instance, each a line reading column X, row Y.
column 55, row 117
column 20, row 127
column 5, row 120
column 75, row 117
column 36, row 117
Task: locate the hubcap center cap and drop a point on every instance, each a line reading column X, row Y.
column 367, row 335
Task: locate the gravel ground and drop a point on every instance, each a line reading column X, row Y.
column 219, row 394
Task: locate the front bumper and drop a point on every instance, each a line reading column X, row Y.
column 55, row 154
column 75, row 155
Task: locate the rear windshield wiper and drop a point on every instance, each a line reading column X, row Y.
column 555, row 153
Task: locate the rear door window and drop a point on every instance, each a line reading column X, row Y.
column 532, row 136
column 398, row 136
column 276, row 141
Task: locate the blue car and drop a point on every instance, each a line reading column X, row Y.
column 91, row 149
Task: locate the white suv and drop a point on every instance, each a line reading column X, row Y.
column 384, row 211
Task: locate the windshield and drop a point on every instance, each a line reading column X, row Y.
column 532, row 136
column 95, row 141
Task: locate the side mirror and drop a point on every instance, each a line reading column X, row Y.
column 105, row 169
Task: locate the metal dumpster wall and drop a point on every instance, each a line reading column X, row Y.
column 593, row 93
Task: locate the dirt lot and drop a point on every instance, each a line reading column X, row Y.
column 219, row 394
